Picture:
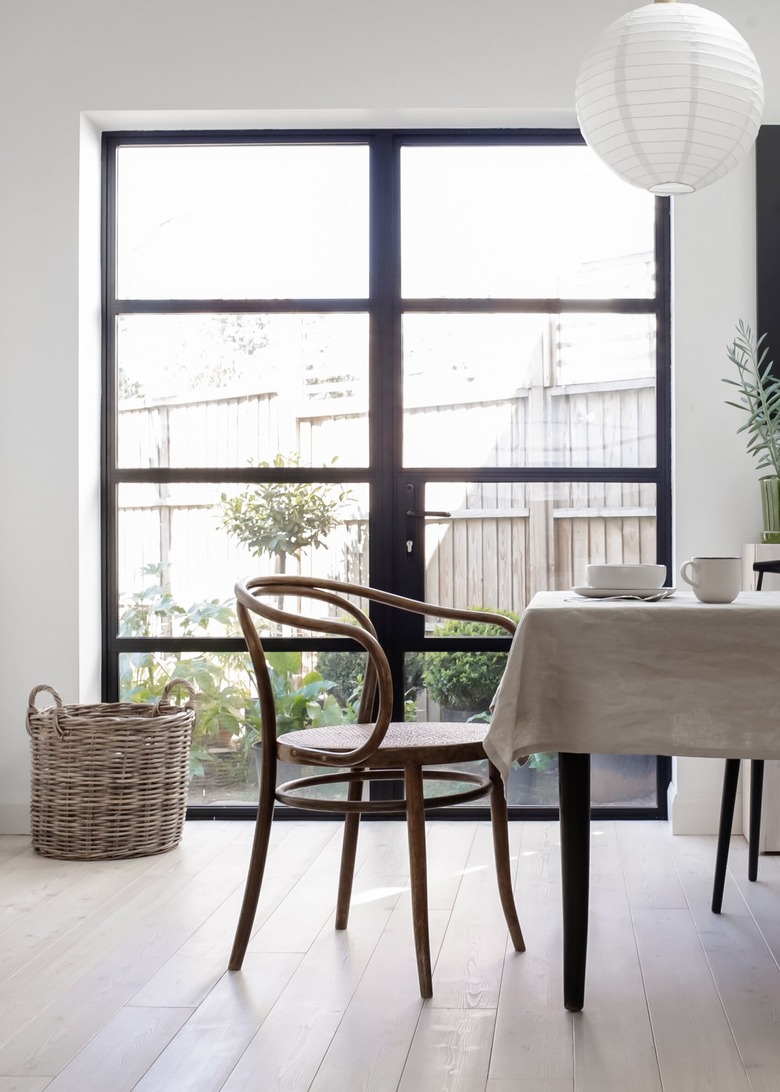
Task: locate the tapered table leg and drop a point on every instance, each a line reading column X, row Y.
column 728, row 797
column 574, row 795
column 754, row 827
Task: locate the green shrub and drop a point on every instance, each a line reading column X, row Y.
column 344, row 669
column 465, row 680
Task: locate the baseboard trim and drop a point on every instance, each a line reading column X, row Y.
column 14, row 819
column 699, row 812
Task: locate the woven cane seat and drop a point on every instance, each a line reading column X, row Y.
column 403, row 742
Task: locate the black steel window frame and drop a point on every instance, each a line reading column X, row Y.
column 385, row 307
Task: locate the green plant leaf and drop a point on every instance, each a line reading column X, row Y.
column 760, row 396
column 285, row 663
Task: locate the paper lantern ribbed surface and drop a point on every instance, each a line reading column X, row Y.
column 670, row 97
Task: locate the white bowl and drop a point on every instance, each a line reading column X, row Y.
column 625, row 576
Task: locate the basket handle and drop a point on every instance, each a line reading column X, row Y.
column 31, row 707
column 165, row 703
column 163, row 706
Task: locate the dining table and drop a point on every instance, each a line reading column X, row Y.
column 660, row 675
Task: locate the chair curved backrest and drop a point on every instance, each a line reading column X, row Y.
column 253, row 596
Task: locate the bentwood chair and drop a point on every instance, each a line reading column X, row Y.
column 729, row 794
column 373, row 749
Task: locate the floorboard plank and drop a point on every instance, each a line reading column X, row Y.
column 203, row 1054
column 613, row 1035
column 295, row 1037
column 450, row 1051
column 122, row 1051
column 763, row 1080
column 39, row 928
column 650, row 877
column 300, row 915
column 23, row 1084
column 50, row 982
column 370, row 1047
column 531, row 1085
column 97, row 969
column 762, row 896
column 694, row 1043
column 468, row 971
column 113, row 973
column 534, row 1035
column 746, row 974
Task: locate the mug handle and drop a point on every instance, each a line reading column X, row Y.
column 684, row 574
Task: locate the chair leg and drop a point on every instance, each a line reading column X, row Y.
column 500, row 821
column 756, row 796
column 348, row 853
column 415, row 818
column 730, row 779
column 265, row 815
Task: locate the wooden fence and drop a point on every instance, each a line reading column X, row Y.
column 500, row 544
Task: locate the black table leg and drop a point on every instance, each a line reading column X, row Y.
column 574, row 795
column 728, row 797
column 754, row 827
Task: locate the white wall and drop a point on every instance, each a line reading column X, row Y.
column 66, row 69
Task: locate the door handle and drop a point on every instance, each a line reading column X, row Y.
column 413, row 513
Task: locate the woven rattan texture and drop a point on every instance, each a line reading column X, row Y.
column 108, row 781
column 343, row 737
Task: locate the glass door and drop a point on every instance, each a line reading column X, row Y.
column 433, row 362
column 534, row 361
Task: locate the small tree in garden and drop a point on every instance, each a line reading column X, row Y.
column 279, row 518
column 282, row 518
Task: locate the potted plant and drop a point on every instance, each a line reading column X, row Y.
column 759, row 398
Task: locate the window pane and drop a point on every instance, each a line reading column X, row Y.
column 455, row 685
column 242, row 222
column 602, row 348
column 223, row 759
column 502, row 543
column 529, row 390
column 227, row 721
column 182, row 547
column 459, row 686
column 619, row 781
column 232, row 389
column 522, row 221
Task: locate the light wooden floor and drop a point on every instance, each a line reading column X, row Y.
column 112, row 974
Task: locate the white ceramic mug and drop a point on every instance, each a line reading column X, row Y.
column 713, row 579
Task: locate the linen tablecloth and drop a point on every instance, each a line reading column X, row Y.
column 673, row 677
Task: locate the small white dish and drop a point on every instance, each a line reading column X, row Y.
column 624, row 593
column 625, row 577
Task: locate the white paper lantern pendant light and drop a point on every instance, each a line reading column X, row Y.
column 670, row 97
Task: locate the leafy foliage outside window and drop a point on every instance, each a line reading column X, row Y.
column 228, row 715
column 217, row 355
column 462, row 679
column 282, row 518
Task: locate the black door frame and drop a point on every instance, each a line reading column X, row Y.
column 387, row 479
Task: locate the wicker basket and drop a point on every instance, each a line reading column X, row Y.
column 109, row 781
